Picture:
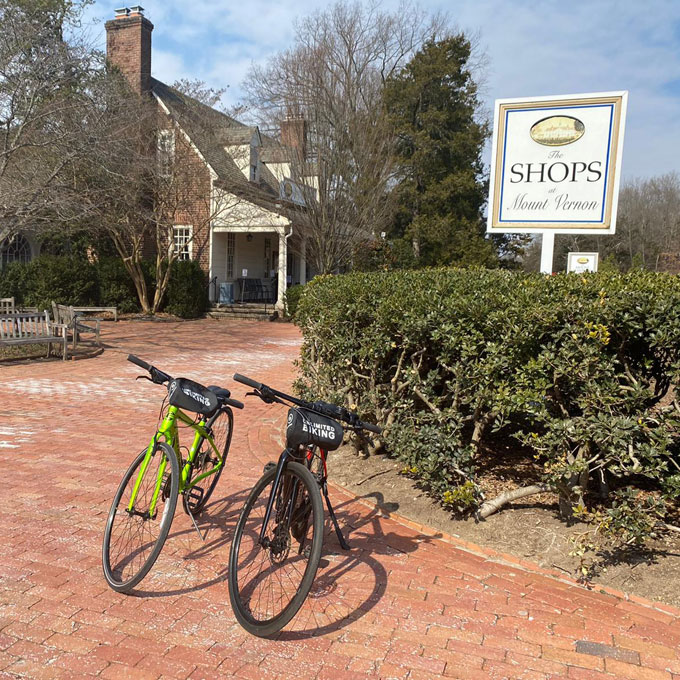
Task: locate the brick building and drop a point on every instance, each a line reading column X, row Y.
column 238, row 224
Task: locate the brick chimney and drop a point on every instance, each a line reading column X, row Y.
column 128, row 46
column 294, row 134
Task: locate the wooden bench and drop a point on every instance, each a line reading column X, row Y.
column 7, row 306
column 87, row 310
column 31, row 329
column 67, row 315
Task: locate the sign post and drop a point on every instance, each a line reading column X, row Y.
column 556, row 166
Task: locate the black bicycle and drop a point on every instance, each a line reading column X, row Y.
column 276, row 547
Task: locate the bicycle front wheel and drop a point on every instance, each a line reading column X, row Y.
column 135, row 533
column 269, row 580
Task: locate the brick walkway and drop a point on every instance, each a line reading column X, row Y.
column 401, row 604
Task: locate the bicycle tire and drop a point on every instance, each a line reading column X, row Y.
column 124, row 568
column 256, row 623
column 222, row 426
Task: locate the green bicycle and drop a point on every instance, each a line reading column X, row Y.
column 144, row 505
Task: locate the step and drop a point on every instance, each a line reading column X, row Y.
column 257, row 313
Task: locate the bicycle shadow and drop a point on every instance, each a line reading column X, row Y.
column 332, row 602
column 348, row 585
column 184, row 555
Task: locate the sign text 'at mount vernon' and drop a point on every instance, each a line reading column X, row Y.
column 556, row 166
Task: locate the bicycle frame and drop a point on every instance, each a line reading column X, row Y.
column 291, row 500
column 168, row 430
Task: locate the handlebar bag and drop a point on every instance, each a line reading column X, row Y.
column 306, row 427
column 191, row 396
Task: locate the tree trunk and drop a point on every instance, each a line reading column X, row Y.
column 571, row 493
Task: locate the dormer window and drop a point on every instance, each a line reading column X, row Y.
column 253, row 173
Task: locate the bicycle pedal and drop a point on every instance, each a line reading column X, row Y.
column 195, row 497
column 268, row 466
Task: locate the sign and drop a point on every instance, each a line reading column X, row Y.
column 556, row 164
column 244, row 273
column 582, row 262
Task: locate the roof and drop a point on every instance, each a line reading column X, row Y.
column 210, row 131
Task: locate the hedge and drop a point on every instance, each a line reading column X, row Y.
column 71, row 280
column 187, row 294
column 76, row 281
column 576, row 369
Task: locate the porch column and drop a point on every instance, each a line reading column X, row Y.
column 303, row 261
column 283, row 262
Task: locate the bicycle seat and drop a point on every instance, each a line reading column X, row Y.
column 222, row 393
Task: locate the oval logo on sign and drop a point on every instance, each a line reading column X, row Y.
column 582, row 260
column 557, row 130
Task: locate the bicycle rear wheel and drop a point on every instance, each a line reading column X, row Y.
column 134, row 538
column 268, row 583
column 221, row 425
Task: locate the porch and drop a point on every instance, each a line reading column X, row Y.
column 255, row 264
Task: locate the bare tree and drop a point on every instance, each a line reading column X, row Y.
column 332, row 79
column 44, row 82
column 647, row 228
column 141, row 179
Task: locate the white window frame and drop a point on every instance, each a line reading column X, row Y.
column 165, row 149
column 15, row 248
column 182, row 241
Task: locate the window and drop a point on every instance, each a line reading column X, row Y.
column 253, row 173
column 166, row 152
column 181, row 237
column 267, row 257
column 15, row 249
column 231, row 249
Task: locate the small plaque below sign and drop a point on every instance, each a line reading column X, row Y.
column 578, row 263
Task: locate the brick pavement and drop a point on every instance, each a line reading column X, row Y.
column 401, row 604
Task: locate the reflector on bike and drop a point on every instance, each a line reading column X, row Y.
column 306, row 427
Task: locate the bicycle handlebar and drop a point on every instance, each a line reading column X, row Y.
column 157, row 376
column 324, row 408
column 139, row 362
column 247, row 381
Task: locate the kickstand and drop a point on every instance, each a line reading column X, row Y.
column 198, row 531
column 343, row 543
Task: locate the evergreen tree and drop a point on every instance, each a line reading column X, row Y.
column 441, row 191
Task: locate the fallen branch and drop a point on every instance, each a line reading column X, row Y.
column 494, row 505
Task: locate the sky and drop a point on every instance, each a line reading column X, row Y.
column 532, row 48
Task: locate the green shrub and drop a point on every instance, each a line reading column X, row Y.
column 577, row 368
column 115, row 285
column 292, row 299
column 13, row 281
column 187, row 294
column 67, row 280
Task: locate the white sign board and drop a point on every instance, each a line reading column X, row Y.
column 556, row 164
column 244, row 273
column 582, row 262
